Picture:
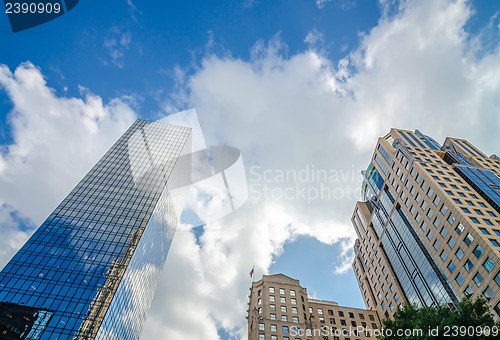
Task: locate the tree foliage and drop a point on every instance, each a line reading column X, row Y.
column 470, row 319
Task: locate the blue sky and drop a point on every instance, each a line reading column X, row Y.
column 137, row 45
column 294, row 85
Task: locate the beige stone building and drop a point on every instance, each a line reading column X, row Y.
column 429, row 225
column 280, row 309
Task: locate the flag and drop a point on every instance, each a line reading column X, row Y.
column 251, row 272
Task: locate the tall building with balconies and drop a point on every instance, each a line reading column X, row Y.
column 429, row 224
column 280, row 309
column 91, row 269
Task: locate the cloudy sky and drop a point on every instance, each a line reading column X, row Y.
column 302, row 88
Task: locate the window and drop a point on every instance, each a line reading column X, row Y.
column 468, row 292
column 484, row 231
column 468, row 266
column 459, row 254
column 283, row 309
column 430, row 192
column 424, row 205
column 451, row 266
column 320, row 311
column 284, row 329
column 443, row 209
column 451, row 242
column 444, row 255
column 430, row 235
column 293, row 301
column 261, row 327
column 282, row 299
column 295, row 319
column 274, row 337
column 451, row 219
column 341, row 313
column 468, row 239
column 274, row 328
column 342, row 322
column 282, row 291
column 271, row 289
column 321, row 319
column 295, row 310
column 478, row 279
column 488, row 293
column 292, row 292
column 272, row 298
column 436, row 222
column 497, row 279
column 459, row 279
column 443, row 232
column 259, row 292
column 396, row 297
column 351, row 315
column 473, row 219
column 495, row 243
column 310, row 310
column 262, row 337
column 488, row 264
column 459, row 229
column 437, row 200
column 259, row 301
column 436, row 244
column 272, row 307
column 272, row 316
column 284, row 318
column 478, row 251
column 260, row 310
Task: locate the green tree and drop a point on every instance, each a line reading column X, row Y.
column 470, row 319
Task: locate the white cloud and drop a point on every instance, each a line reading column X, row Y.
column 416, row 69
column 117, row 42
column 55, row 142
column 132, row 10
column 342, row 4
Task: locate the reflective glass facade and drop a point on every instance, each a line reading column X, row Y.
column 485, row 182
column 91, row 269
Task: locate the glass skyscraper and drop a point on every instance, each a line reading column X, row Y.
column 429, row 224
column 91, row 269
